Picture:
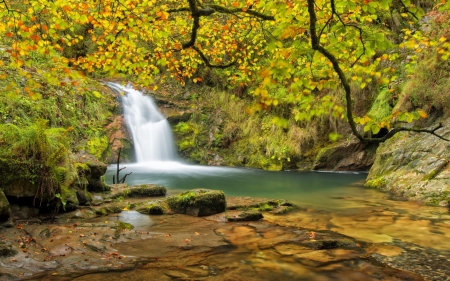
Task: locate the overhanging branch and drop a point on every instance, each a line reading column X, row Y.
column 197, row 11
column 315, row 44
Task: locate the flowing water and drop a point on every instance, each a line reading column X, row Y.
column 406, row 235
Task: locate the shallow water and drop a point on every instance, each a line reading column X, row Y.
column 405, row 234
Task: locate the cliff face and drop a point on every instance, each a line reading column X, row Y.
column 414, row 166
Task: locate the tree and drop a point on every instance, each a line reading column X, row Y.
column 292, row 53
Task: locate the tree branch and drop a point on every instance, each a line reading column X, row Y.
column 315, row 44
column 6, row 5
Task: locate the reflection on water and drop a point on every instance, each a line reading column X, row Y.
column 401, row 231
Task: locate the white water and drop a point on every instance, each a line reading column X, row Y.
column 151, row 132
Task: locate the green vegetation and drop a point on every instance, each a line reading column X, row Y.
column 39, row 155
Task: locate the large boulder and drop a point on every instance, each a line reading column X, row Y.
column 90, row 169
column 198, row 202
column 346, row 156
column 414, row 166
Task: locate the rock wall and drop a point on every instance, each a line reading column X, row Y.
column 345, row 156
column 414, row 166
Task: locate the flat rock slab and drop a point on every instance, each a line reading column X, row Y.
column 182, row 247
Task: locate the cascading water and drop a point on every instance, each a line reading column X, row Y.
column 151, row 132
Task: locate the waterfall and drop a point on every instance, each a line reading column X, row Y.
column 150, row 130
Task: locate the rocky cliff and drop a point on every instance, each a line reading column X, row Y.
column 414, row 166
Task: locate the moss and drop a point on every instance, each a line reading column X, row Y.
column 152, row 209
column 430, row 175
column 379, row 182
column 198, row 202
column 145, row 190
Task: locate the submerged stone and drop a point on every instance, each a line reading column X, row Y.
column 198, row 202
column 246, row 216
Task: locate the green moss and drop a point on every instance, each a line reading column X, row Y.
column 198, row 201
column 152, row 209
column 379, row 182
column 145, row 190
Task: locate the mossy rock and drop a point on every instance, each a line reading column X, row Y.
column 147, row 190
column 156, row 207
column 92, row 169
column 84, row 196
column 144, row 190
column 247, row 216
column 198, row 202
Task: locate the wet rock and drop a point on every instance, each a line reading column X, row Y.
column 258, row 204
column 414, row 166
column 6, row 250
column 198, row 202
column 153, row 208
column 144, row 190
column 246, row 216
column 4, row 207
column 346, row 156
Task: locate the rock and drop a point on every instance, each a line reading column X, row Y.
column 20, row 189
column 4, row 207
column 198, row 202
column 180, row 117
column 25, row 212
column 143, row 190
column 414, row 166
column 97, row 200
column 346, row 156
column 84, row 197
column 153, row 208
column 6, row 250
column 246, row 216
column 92, row 170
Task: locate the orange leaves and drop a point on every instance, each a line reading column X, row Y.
column 162, row 14
column 9, row 34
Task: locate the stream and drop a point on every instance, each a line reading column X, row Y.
column 406, row 235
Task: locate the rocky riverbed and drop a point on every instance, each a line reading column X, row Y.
column 288, row 243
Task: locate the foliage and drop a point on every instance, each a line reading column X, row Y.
column 291, row 56
column 39, row 155
column 26, row 96
column 221, row 132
